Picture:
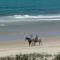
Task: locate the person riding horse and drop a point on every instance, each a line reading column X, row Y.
column 34, row 40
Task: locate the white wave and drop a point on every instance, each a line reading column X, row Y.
column 38, row 16
column 2, row 25
column 28, row 18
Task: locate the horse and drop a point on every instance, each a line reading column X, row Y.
column 33, row 40
column 29, row 40
column 37, row 40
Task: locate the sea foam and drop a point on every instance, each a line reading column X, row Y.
column 28, row 18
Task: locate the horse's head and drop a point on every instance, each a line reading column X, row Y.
column 27, row 38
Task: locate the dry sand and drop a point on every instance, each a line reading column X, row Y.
column 50, row 45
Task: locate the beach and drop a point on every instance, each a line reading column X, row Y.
column 50, row 45
column 21, row 18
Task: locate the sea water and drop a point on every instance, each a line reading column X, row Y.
column 19, row 18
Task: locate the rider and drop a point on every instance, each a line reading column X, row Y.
column 31, row 36
column 36, row 38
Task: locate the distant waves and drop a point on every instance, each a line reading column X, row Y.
column 28, row 18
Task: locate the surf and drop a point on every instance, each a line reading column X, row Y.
column 29, row 18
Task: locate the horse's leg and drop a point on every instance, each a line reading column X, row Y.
column 29, row 43
column 34, row 43
column 39, row 42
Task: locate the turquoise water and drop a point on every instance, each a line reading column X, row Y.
column 35, row 7
column 19, row 18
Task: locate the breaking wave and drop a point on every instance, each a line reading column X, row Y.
column 28, row 18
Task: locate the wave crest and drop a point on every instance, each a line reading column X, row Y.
column 38, row 16
column 30, row 18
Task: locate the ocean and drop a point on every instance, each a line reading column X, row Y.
column 20, row 18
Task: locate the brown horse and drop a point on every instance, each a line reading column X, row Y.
column 39, row 41
column 33, row 40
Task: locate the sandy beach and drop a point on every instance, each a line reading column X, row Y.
column 50, row 45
